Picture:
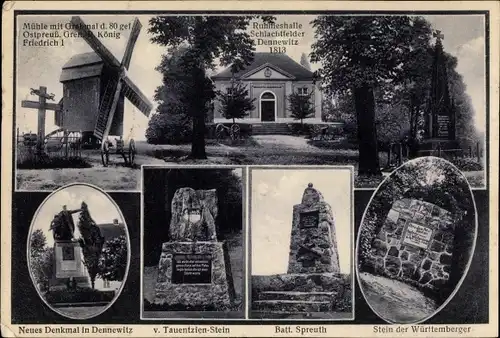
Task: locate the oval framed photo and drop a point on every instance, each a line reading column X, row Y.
column 416, row 241
column 78, row 251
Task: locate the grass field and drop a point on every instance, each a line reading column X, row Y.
column 256, row 150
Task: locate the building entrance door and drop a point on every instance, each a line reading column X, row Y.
column 267, row 107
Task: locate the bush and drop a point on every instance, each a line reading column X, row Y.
column 168, row 128
column 466, row 164
column 80, row 295
column 53, row 162
column 350, row 131
column 300, row 129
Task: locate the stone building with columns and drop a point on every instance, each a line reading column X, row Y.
column 270, row 79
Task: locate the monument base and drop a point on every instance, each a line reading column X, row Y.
column 194, row 274
column 431, row 146
column 69, row 270
column 301, row 293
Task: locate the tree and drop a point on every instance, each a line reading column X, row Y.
column 235, row 102
column 304, row 61
column 41, row 258
column 91, row 242
column 113, row 259
column 300, row 106
column 172, row 123
column 38, row 242
column 359, row 54
column 205, row 39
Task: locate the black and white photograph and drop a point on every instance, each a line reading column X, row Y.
column 416, row 240
column 193, row 243
column 369, row 91
column 78, row 251
column 301, row 250
column 243, row 168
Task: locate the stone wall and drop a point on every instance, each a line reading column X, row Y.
column 415, row 243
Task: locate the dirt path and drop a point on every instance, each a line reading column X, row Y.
column 396, row 301
column 285, row 142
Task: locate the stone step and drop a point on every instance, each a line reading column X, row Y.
column 271, row 132
column 291, row 306
column 312, row 282
column 297, row 295
column 271, row 129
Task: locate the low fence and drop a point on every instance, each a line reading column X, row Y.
column 65, row 144
column 399, row 152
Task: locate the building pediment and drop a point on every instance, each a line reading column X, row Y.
column 267, row 71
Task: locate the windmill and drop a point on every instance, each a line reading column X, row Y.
column 95, row 86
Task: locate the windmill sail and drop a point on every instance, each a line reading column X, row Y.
column 104, row 109
column 134, row 34
column 134, row 95
column 101, row 50
column 116, row 89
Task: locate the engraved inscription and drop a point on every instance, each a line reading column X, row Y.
column 309, row 219
column 417, row 235
column 192, row 269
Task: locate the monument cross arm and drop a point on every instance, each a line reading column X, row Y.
column 437, row 34
column 36, row 105
column 42, row 107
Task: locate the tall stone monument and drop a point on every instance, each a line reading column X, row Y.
column 313, row 282
column 194, row 268
column 440, row 115
column 69, row 270
column 313, row 246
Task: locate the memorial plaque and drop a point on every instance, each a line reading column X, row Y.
column 443, row 122
column 68, row 253
column 192, row 269
column 192, row 215
column 417, row 235
column 309, row 219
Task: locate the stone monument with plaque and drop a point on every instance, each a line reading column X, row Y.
column 194, row 268
column 440, row 125
column 313, row 246
column 415, row 243
column 69, row 270
column 313, row 282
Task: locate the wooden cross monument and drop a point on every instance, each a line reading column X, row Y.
column 42, row 105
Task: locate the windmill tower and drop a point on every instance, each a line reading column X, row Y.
column 95, row 86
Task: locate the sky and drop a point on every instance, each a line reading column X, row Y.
column 273, row 195
column 101, row 207
column 41, row 66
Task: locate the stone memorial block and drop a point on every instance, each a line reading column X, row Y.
column 68, row 260
column 193, row 215
column 418, row 248
column 313, row 247
column 194, row 268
